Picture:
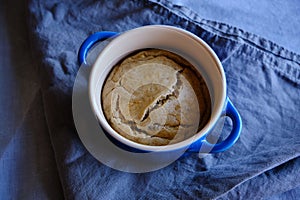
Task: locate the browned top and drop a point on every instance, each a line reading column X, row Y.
column 155, row 97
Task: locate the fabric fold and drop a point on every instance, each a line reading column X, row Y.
column 262, row 83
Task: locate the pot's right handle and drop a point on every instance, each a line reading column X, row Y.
column 204, row 146
column 90, row 41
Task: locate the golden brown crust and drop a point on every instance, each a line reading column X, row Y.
column 155, row 97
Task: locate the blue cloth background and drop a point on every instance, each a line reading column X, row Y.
column 274, row 20
column 263, row 83
column 27, row 166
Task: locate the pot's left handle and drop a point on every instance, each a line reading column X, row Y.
column 90, row 41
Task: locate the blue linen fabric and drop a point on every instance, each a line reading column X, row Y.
column 263, row 83
column 27, row 166
column 277, row 21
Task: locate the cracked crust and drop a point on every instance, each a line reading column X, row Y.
column 155, row 97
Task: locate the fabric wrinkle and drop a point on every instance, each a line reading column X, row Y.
column 263, row 82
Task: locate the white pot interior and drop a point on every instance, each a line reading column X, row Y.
column 168, row 38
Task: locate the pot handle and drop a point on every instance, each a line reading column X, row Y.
column 90, row 41
column 203, row 146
